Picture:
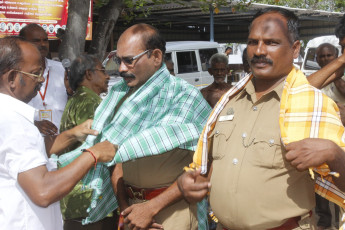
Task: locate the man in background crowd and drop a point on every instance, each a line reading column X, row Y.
column 52, row 98
column 325, row 54
column 228, row 50
column 219, row 70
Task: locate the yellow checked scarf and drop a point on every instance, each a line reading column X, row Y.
column 304, row 113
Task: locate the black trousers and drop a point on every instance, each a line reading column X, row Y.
column 323, row 210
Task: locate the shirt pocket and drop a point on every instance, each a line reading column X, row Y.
column 267, row 151
column 220, row 136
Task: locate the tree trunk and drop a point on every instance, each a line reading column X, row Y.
column 108, row 15
column 73, row 42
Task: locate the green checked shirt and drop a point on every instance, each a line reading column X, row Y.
column 80, row 107
column 163, row 114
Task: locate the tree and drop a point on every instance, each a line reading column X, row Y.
column 73, row 41
column 328, row 5
column 108, row 15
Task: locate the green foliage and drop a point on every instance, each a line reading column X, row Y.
column 145, row 6
column 99, row 3
column 328, row 5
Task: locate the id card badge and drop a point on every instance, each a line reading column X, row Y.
column 226, row 118
column 46, row 115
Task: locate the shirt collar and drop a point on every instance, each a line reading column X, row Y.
column 48, row 66
column 250, row 89
column 82, row 89
column 17, row 106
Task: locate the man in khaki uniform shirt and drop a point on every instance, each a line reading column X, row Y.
column 254, row 186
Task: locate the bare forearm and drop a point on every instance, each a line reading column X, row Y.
column 168, row 197
column 119, row 186
column 56, row 144
column 64, row 180
column 46, row 187
column 327, row 74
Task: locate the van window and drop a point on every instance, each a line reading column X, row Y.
column 205, row 55
column 310, row 60
column 186, row 62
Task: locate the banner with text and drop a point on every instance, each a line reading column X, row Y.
column 50, row 14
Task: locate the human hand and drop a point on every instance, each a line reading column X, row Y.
column 81, row 131
column 140, row 216
column 310, row 152
column 46, row 127
column 193, row 186
column 104, row 151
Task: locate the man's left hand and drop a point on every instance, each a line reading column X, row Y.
column 140, row 216
column 310, row 152
column 83, row 130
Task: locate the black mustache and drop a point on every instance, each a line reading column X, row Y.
column 124, row 74
column 261, row 59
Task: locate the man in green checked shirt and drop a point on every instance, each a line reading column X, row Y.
column 155, row 119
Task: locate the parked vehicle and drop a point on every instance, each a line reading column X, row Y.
column 191, row 60
column 309, row 64
column 112, row 68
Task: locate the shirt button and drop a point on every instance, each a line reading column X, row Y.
column 255, row 108
column 235, row 161
column 244, row 135
column 217, row 131
column 271, row 141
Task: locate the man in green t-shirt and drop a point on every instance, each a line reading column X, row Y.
column 88, row 80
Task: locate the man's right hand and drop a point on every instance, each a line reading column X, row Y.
column 193, row 186
column 46, row 127
column 104, row 151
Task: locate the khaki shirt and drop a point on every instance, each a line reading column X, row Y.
column 156, row 171
column 253, row 186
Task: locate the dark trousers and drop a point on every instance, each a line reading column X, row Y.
column 108, row 223
column 323, row 210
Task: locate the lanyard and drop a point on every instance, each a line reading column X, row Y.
column 45, row 91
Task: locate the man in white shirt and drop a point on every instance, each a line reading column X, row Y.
column 52, row 98
column 29, row 190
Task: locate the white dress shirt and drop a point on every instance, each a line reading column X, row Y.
column 21, row 148
column 56, row 96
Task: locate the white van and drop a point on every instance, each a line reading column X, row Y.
column 309, row 64
column 191, row 60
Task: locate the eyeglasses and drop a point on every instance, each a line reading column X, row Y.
column 127, row 60
column 102, row 70
column 32, row 75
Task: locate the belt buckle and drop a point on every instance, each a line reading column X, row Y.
column 138, row 195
